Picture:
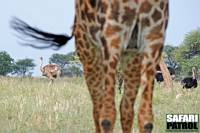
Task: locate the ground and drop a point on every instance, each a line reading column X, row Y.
column 29, row 105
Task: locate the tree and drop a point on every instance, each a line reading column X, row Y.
column 168, row 49
column 188, row 54
column 192, row 43
column 6, row 63
column 69, row 63
column 23, row 67
column 73, row 70
column 168, row 55
column 63, row 59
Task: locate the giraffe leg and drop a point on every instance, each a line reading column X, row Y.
column 152, row 40
column 93, row 72
column 151, row 58
column 95, row 89
column 108, row 110
column 145, row 116
column 112, row 52
column 149, row 62
column 131, row 84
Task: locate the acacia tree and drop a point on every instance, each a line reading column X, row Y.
column 69, row 63
column 169, row 56
column 192, row 43
column 62, row 59
column 6, row 63
column 23, row 67
column 188, row 54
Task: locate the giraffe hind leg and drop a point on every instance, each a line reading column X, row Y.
column 96, row 91
column 145, row 116
column 152, row 40
column 131, row 85
column 93, row 73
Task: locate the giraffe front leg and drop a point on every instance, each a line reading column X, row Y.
column 112, row 50
column 95, row 86
column 108, row 110
column 149, row 62
column 93, row 73
column 131, row 85
column 152, row 40
column 145, row 116
column 151, row 58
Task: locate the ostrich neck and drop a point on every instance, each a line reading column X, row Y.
column 41, row 66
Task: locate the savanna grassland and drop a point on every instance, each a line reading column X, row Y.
column 29, row 105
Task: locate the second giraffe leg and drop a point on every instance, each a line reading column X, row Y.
column 145, row 116
column 111, row 58
column 131, row 85
column 95, row 88
column 93, row 72
column 108, row 110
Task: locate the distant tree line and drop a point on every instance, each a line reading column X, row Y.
column 186, row 55
column 69, row 64
column 181, row 58
column 20, row 67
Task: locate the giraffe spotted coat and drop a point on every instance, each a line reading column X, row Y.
column 126, row 32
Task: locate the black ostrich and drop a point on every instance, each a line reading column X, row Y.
column 159, row 77
column 190, row 82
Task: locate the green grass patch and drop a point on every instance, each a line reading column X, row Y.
column 30, row 105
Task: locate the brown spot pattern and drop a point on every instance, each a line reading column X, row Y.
column 157, row 50
column 93, row 30
column 106, row 53
column 115, row 43
column 115, row 10
column 145, row 22
column 111, row 30
column 162, row 5
column 156, row 33
column 128, row 16
column 102, row 21
column 156, row 15
column 145, row 7
column 103, row 7
column 154, row 36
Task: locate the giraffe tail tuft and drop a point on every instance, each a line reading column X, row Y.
column 32, row 35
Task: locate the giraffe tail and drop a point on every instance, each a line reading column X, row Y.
column 31, row 36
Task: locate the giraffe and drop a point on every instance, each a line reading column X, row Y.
column 51, row 71
column 130, row 33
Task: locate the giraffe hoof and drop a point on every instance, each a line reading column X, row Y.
column 106, row 124
column 148, row 127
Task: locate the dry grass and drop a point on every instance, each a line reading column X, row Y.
column 31, row 106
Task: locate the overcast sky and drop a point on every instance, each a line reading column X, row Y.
column 57, row 16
